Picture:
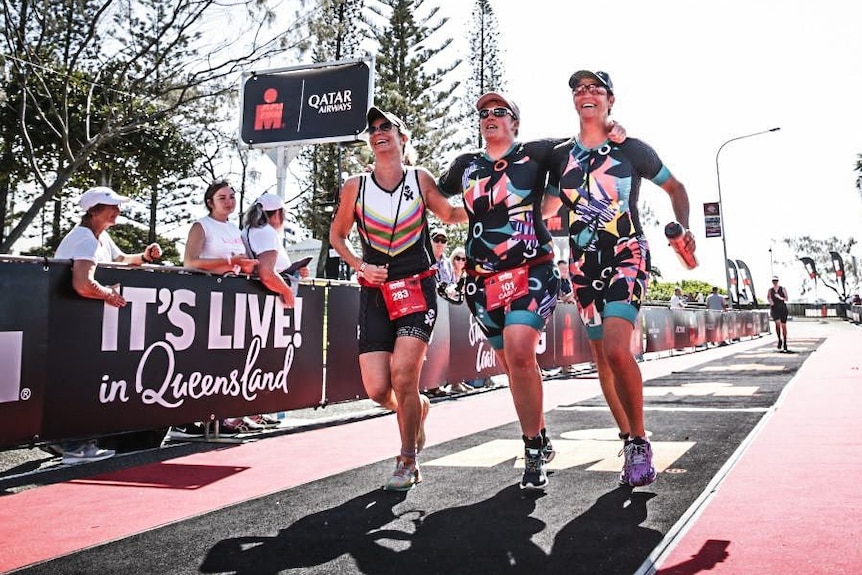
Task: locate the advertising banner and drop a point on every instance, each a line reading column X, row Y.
column 184, row 348
column 24, row 312
column 195, row 347
column 302, row 105
column 712, row 219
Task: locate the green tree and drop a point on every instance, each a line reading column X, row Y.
column 660, row 292
column 487, row 69
column 819, row 251
column 88, row 74
column 413, row 76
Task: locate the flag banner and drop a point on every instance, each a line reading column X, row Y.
column 733, row 274
column 747, row 282
column 838, row 266
column 809, row 267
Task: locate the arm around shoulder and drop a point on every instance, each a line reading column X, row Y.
column 438, row 204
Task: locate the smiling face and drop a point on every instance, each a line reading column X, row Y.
column 496, row 129
column 384, row 137
column 592, row 99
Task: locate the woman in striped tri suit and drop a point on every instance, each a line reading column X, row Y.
column 398, row 305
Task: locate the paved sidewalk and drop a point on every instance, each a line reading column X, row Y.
column 790, row 503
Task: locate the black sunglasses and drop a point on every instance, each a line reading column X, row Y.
column 383, row 127
column 461, row 258
column 498, row 112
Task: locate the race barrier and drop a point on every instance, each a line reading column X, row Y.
column 191, row 346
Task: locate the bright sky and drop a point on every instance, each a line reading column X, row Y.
column 689, row 76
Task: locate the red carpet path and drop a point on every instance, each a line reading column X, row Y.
column 788, row 504
column 791, row 503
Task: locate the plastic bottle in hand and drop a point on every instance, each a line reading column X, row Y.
column 675, row 234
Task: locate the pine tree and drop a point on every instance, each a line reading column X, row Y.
column 84, row 76
column 412, row 77
column 487, row 71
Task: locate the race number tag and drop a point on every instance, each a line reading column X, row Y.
column 404, row 297
column 505, row 287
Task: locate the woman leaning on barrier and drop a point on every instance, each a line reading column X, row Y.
column 262, row 236
column 87, row 245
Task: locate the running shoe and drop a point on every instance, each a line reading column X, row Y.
column 188, row 431
column 260, row 422
column 233, row 426
column 534, row 465
column 420, row 435
column 624, row 474
column 405, row 476
column 86, row 452
column 638, row 468
column 548, row 452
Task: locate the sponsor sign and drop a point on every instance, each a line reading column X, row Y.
column 304, row 105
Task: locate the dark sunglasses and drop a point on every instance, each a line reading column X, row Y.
column 383, row 127
column 498, row 112
column 461, row 258
column 439, row 240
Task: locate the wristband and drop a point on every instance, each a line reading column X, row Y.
column 362, row 267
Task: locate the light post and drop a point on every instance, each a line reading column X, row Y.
column 723, row 214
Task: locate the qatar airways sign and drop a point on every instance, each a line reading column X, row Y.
column 303, row 105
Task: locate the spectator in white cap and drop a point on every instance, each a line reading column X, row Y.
column 263, row 239
column 439, row 238
column 87, row 245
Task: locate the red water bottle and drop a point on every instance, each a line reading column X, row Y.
column 675, row 234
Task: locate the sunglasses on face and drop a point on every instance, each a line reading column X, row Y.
column 460, row 259
column 383, row 127
column 497, row 112
column 439, row 240
column 591, row 88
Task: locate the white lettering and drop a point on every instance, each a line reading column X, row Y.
column 138, row 298
column 179, row 318
column 240, row 301
column 340, row 99
column 174, row 388
column 215, row 339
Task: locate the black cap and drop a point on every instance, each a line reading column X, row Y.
column 602, row 77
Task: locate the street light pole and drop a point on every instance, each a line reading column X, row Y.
column 723, row 214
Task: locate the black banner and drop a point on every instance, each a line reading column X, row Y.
column 747, row 281
column 838, row 267
column 306, row 105
column 809, row 267
column 192, row 347
column 179, row 351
